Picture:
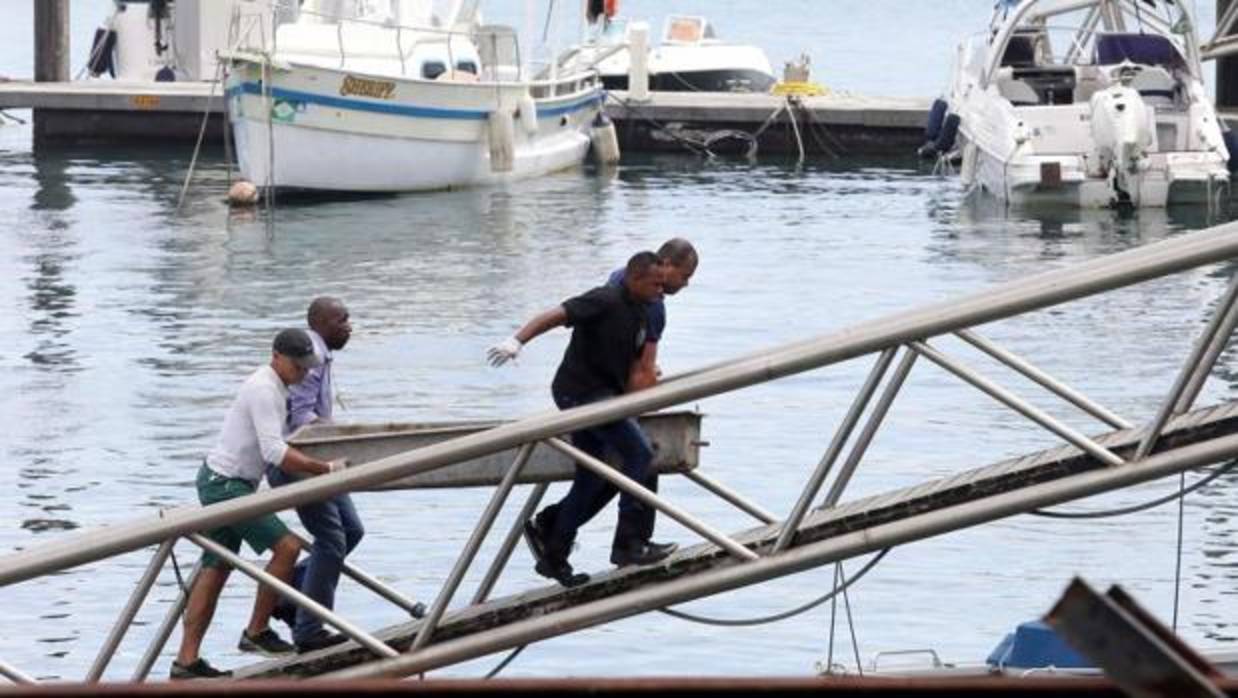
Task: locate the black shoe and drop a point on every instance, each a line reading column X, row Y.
column 533, row 538
column 197, row 669
column 642, row 554
column 266, row 642
column 561, row 572
column 321, row 639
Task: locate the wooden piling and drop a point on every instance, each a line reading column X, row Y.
column 51, row 48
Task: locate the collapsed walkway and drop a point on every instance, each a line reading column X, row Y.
column 904, row 505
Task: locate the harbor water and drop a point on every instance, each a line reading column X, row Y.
column 128, row 325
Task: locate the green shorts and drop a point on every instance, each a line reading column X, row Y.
column 260, row 533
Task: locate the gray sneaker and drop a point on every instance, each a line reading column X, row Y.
column 197, row 669
column 266, row 642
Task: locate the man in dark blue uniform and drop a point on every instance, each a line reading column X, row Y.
column 609, row 332
column 679, row 261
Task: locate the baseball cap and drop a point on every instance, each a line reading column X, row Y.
column 297, row 345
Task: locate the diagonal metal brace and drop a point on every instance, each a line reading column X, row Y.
column 1138, row 653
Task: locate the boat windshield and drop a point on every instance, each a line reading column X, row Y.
column 408, row 13
column 682, row 29
column 1047, row 46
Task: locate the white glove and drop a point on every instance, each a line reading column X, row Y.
column 335, row 466
column 504, row 351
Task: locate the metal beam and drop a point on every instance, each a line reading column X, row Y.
column 1204, row 369
column 1004, row 300
column 136, row 599
column 1019, row 405
column 321, row 612
column 170, row 620
column 493, row 507
column 632, row 487
column 14, row 674
column 1050, row 383
column 509, row 544
column 415, row 609
column 1132, row 654
column 731, row 497
column 809, row 493
column 1189, row 368
column 870, row 429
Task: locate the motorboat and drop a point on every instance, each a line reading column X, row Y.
column 689, row 58
column 1089, row 103
column 164, row 40
column 419, row 95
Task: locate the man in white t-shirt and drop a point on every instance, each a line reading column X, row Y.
column 252, row 436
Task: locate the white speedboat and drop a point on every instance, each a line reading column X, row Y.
column 422, row 97
column 1085, row 102
column 689, row 58
column 163, row 40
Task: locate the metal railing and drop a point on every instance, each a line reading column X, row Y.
column 497, row 43
column 909, row 332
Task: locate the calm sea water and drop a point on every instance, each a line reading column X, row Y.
column 128, row 326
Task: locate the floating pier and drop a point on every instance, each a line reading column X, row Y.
column 831, row 125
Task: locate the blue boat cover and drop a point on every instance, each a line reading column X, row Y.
column 1034, row 645
column 1143, row 49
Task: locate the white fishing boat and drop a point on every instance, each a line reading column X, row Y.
column 689, row 58
column 1084, row 102
column 417, row 96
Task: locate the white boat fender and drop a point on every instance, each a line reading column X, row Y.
column 528, row 114
column 605, row 141
column 242, row 193
column 502, row 132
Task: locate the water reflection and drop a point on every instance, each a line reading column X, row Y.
column 52, row 254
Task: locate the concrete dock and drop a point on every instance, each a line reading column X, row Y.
column 831, row 125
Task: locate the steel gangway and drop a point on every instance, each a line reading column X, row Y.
column 1224, row 41
column 818, row 530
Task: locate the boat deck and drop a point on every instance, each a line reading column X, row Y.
column 967, row 486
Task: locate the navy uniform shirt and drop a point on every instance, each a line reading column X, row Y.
column 655, row 311
column 609, row 330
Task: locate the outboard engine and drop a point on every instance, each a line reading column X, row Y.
column 1122, row 133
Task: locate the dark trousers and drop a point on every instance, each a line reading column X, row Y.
column 336, row 529
column 590, row 493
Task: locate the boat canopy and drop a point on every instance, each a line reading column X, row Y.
column 1102, row 32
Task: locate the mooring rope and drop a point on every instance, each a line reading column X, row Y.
column 1228, row 467
column 197, row 148
column 744, row 622
column 508, row 660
